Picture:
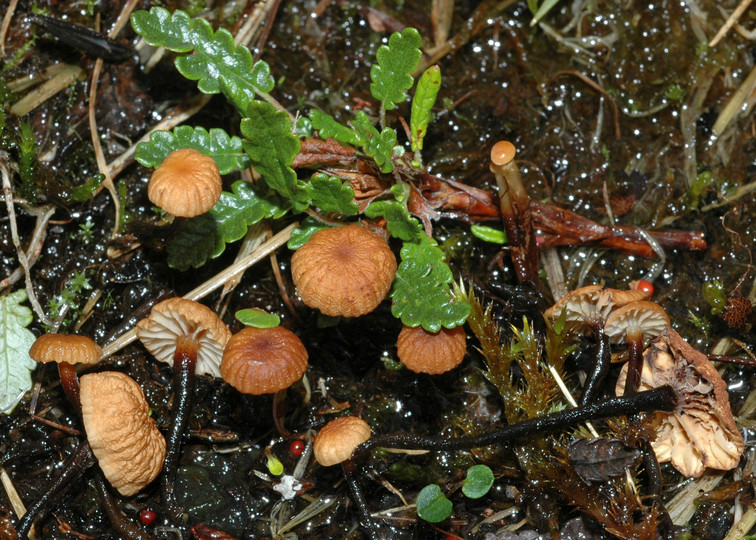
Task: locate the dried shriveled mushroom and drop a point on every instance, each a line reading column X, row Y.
column 66, row 351
column 701, row 433
column 336, row 441
column 425, row 352
column 263, row 360
column 122, row 435
column 186, row 184
column 345, row 271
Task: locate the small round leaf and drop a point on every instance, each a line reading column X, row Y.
column 432, row 506
column 258, row 318
column 479, row 480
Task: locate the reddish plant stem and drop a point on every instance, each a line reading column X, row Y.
column 70, row 383
column 125, row 527
column 634, row 362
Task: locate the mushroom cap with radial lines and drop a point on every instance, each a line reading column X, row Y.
column 344, row 271
column 263, row 360
column 186, row 184
column 425, row 352
column 336, row 441
column 123, row 437
column 591, row 304
column 69, row 348
column 177, row 317
column 643, row 318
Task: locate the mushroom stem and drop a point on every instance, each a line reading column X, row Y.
column 70, row 383
column 121, row 523
column 350, row 469
column 601, row 364
column 82, row 460
column 634, row 363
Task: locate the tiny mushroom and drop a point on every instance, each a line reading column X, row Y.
column 344, row 271
column 336, row 441
column 701, row 432
column 425, row 352
column 263, row 360
column 186, row 184
column 66, row 351
column 123, row 436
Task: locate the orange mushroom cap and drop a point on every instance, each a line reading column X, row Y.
column 263, row 360
column 502, row 152
column 345, row 271
column 178, row 317
column 186, row 184
column 336, row 441
column 70, row 348
column 123, row 437
column 425, row 352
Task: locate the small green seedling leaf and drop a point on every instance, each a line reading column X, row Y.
column 88, row 189
column 378, row 145
column 432, row 505
column 275, row 467
column 227, row 151
column 302, row 234
column 399, row 221
column 479, row 480
column 489, row 234
column 392, row 75
column 15, row 342
column 159, row 28
column 331, row 194
column 258, row 318
column 328, row 127
column 422, row 105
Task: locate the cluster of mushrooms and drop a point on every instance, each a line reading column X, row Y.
column 697, row 428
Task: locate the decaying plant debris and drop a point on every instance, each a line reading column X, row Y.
column 635, row 142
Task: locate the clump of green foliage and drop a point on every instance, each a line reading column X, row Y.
column 269, row 142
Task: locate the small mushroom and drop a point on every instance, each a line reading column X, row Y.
column 701, row 432
column 336, row 441
column 66, row 351
column 345, row 271
column 186, row 184
column 120, row 431
column 263, row 360
column 425, row 352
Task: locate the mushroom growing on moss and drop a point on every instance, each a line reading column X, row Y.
column 344, row 271
column 186, row 184
column 701, row 432
column 425, row 352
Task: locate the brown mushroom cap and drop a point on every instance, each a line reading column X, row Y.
column 590, row 304
column 637, row 320
column 346, row 271
column 502, row 153
column 263, row 360
column 336, row 441
column 65, row 348
column 425, row 352
column 186, row 184
column 177, row 317
column 702, row 432
column 123, row 437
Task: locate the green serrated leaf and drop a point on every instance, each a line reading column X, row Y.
column 159, row 28
column 272, row 147
column 378, row 145
column 15, row 342
column 206, row 236
column 392, row 75
column 331, row 194
column 422, row 105
column 399, row 221
column 227, row 151
column 302, row 234
column 258, row 318
column 421, row 294
column 432, row 505
column 479, row 480
column 328, row 127
column 489, row 234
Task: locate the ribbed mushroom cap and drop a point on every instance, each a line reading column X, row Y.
column 338, row 438
column 186, row 184
column 177, row 317
column 590, row 304
column 425, row 352
column 65, row 348
column 123, row 437
column 345, row 271
column 263, row 360
column 637, row 320
column 502, row 153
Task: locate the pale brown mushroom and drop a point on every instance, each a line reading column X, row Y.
column 66, row 351
column 336, row 441
column 433, row 353
column 263, row 360
column 186, row 184
column 120, row 431
column 701, row 433
column 345, row 271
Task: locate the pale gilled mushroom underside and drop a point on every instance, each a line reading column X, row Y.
column 702, row 432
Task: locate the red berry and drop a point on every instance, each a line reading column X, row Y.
column 645, row 286
column 147, row 517
column 296, row 448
